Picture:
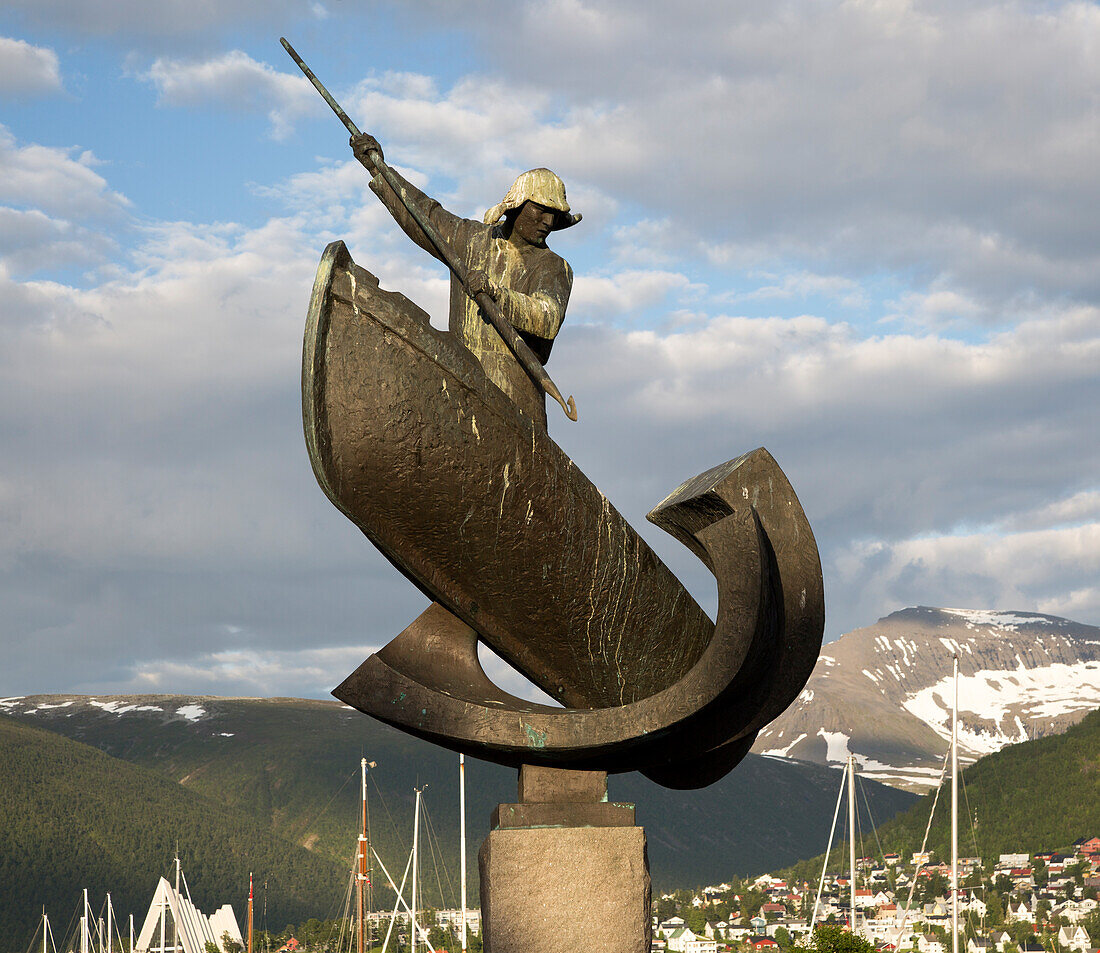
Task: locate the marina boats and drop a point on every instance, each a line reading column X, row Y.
column 848, row 781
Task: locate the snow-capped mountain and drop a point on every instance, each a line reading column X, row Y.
column 883, row 693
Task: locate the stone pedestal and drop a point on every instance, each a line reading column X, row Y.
column 564, row 869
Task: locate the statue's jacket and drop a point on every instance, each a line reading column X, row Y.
column 534, row 286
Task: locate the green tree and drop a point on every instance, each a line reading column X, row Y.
column 833, row 939
column 783, row 938
column 1039, row 872
column 229, row 944
column 695, row 919
column 666, row 908
column 1042, row 909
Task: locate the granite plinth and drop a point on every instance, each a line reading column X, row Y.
column 564, row 889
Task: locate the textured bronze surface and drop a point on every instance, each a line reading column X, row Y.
column 488, row 517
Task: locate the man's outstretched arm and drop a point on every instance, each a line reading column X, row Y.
column 446, row 223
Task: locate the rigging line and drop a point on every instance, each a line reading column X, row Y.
column 333, row 906
column 386, row 808
column 69, row 936
column 339, row 922
column 859, row 825
column 923, row 847
column 345, row 915
column 870, row 819
column 437, row 856
column 969, row 815
column 414, row 924
column 41, row 925
column 828, row 848
column 309, row 826
column 397, row 902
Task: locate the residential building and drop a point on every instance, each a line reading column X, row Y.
column 1074, row 938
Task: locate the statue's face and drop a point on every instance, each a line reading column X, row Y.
column 533, row 223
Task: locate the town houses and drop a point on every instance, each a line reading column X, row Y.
column 1014, row 903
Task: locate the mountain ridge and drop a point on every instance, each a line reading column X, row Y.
column 881, row 692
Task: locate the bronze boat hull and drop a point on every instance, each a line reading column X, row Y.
column 484, row 513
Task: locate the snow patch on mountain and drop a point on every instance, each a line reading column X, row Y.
column 1006, row 698
column 838, row 751
column 884, row 691
column 119, row 708
column 191, row 712
column 992, row 619
column 783, row 752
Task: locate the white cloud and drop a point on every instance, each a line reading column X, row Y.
column 31, row 240
column 53, row 182
column 850, row 136
column 601, row 298
column 166, row 19
column 1051, row 571
column 1076, row 509
column 27, row 70
column 802, row 285
column 234, row 81
column 257, row 672
column 156, row 492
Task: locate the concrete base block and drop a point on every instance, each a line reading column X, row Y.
column 564, row 889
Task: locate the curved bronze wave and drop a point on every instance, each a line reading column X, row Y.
column 516, row 548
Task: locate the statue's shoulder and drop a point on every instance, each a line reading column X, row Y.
column 558, row 263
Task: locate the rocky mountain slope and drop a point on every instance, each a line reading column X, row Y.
column 293, row 766
column 883, row 693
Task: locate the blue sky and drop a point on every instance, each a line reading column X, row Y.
column 862, row 234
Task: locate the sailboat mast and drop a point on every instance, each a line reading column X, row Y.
column 828, row 848
column 110, row 923
column 852, row 836
column 175, row 926
column 955, row 810
column 415, row 864
column 249, row 912
column 131, row 950
column 462, row 840
column 361, row 873
column 84, row 924
column 45, row 930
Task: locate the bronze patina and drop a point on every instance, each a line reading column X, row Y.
column 434, row 444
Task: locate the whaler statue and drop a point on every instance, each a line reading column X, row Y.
column 434, row 444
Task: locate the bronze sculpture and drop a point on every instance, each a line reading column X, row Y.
column 434, row 444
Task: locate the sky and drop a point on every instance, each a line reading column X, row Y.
column 862, row 234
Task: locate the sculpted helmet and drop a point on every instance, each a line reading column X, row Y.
column 536, row 185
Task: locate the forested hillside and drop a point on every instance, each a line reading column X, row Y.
column 293, row 766
column 72, row 816
column 1034, row 796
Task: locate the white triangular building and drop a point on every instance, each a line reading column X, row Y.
column 175, row 925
